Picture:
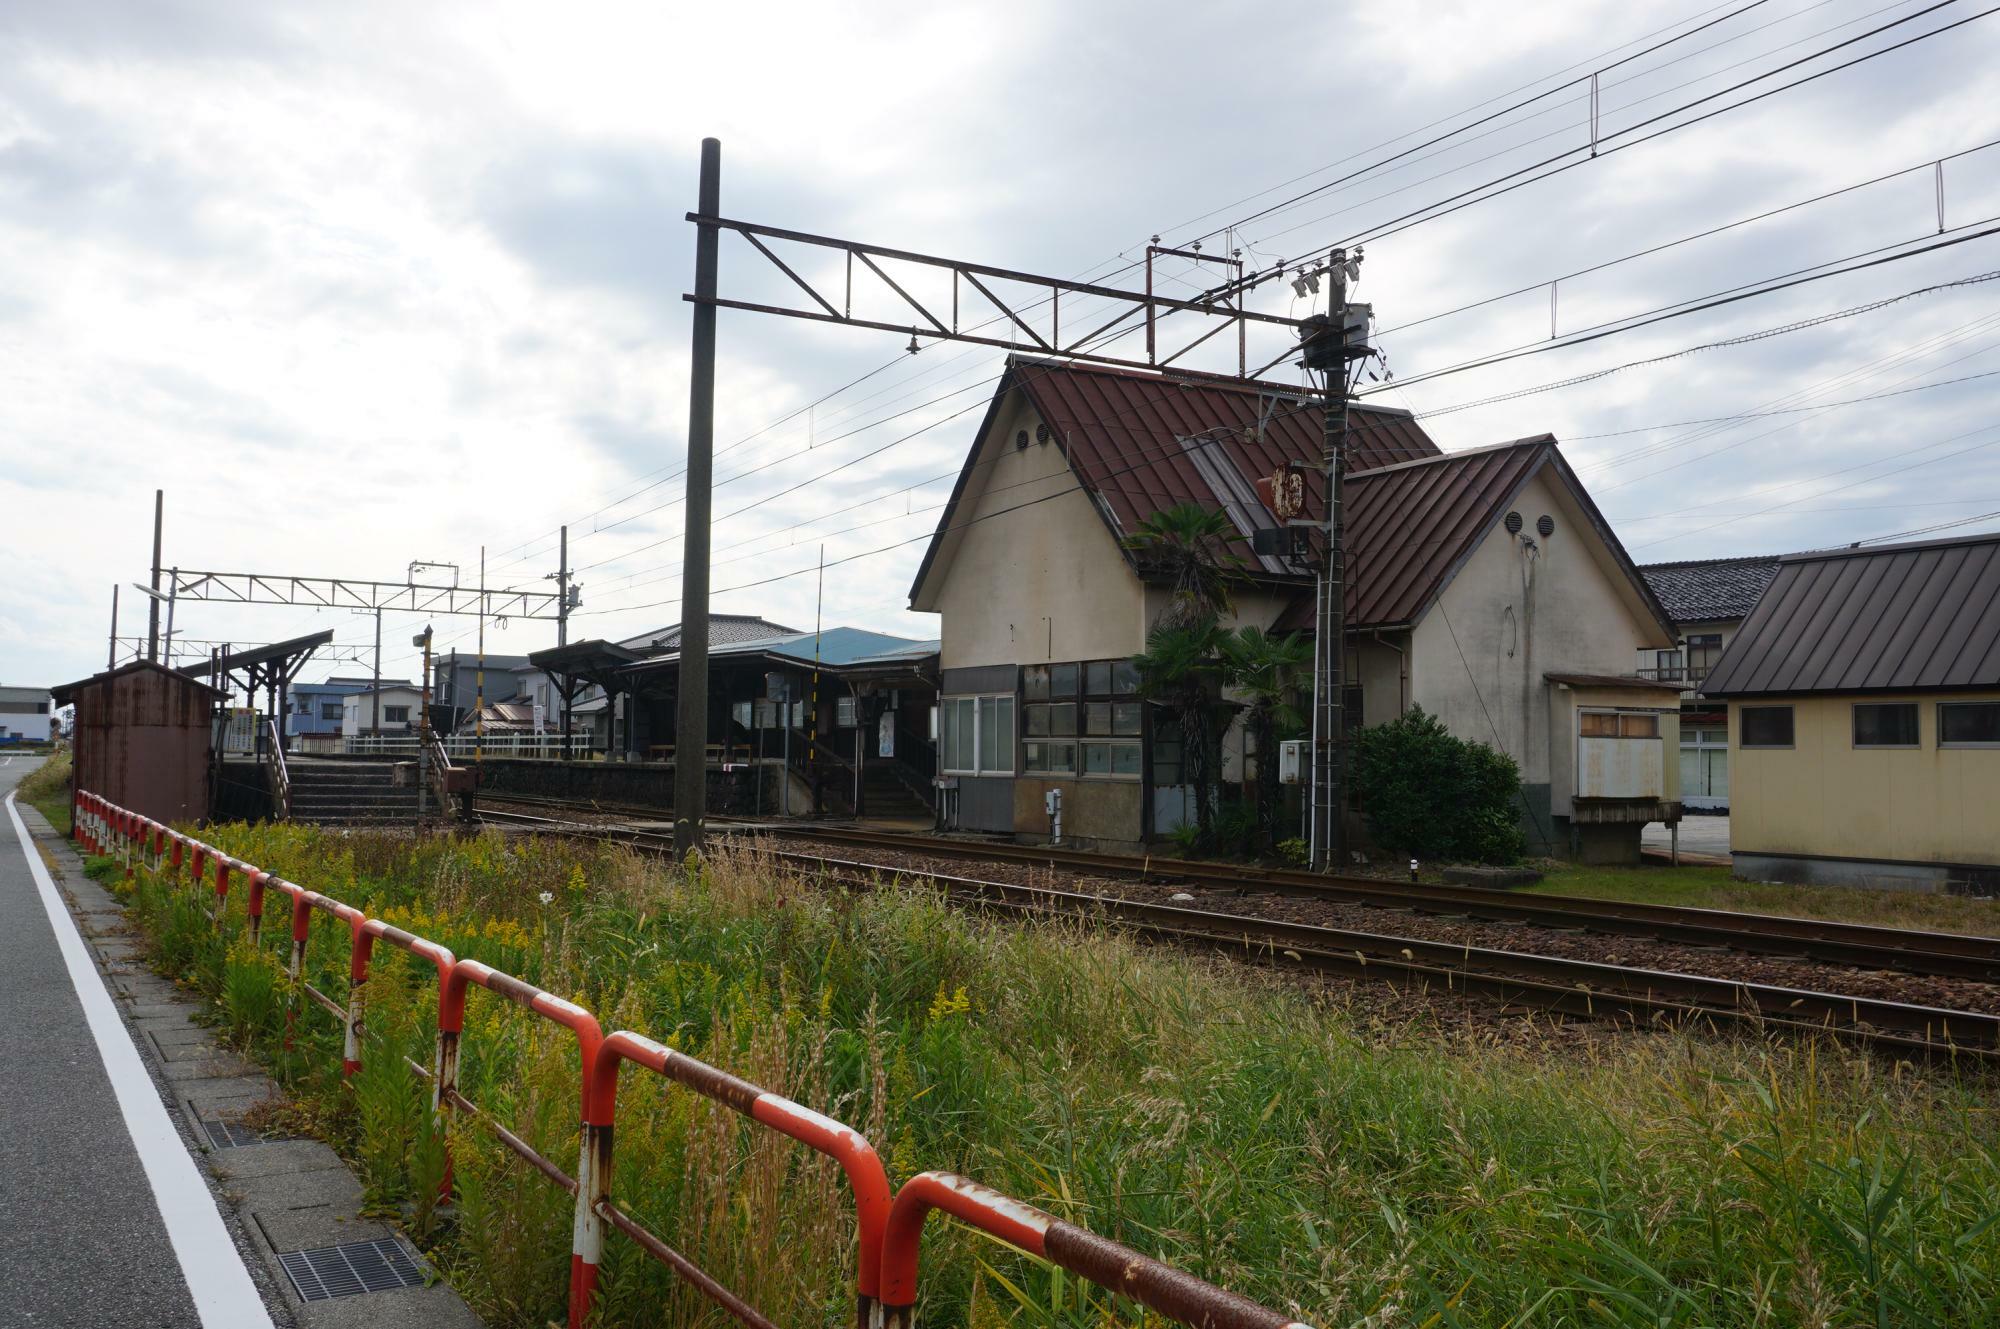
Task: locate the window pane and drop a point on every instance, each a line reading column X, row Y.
column 1124, row 758
column 999, row 758
column 1765, row 727
column 1600, row 724
column 1035, row 682
column 1049, row 758
column 989, row 733
column 1885, row 724
column 1639, row 726
column 1038, row 719
column 1963, row 722
column 1125, row 718
column 1097, row 678
column 959, row 720
column 1063, row 680
column 843, row 712
column 1124, row 677
column 1097, row 759
column 1097, row 718
column 1062, row 718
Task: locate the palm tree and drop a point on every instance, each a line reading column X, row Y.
column 1182, row 669
column 1264, row 669
column 1185, row 547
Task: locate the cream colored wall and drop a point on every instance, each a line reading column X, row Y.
column 1825, row 797
column 1046, row 582
column 1566, row 700
column 1568, row 609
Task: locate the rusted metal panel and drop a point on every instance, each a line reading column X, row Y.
column 1897, row 618
column 142, row 739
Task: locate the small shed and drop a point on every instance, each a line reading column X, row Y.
column 142, row 739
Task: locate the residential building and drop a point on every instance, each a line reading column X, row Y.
column 1708, row 599
column 1864, row 700
column 398, row 707
column 316, row 707
column 1484, row 586
column 456, row 684
column 26, row 715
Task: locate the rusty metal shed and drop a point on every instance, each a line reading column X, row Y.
column 142, row 739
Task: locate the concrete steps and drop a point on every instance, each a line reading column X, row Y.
column 351, row 794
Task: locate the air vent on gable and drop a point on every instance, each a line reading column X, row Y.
column 1021, row 441
column 1513, row 523
column 1546, row 525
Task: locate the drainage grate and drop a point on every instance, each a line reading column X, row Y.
column 350, row 1270
column 229, row 1134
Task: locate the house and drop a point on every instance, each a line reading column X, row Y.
column 455, row 683
column 397, row 703
column 1864, row 700
column 1484, row 586
column 143, row 738
column 26, row 715
column 316, row 707
column 1708, row 600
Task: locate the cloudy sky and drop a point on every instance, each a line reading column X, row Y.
column 363, row 284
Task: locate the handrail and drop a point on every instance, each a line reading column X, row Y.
column 439, row 762
column 281, row 775
column 889, row 1227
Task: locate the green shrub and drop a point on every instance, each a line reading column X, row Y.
column 1432, row 795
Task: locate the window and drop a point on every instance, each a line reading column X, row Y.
column 1667, row 666
column 1618, row 724
column 1969, row 724
column 395, row 715
column 329, row 710
column 843, row 713
column 1888, row 724
column 1095, row 701
column 1703, row 650
column 977, row 735
column 1764, row 727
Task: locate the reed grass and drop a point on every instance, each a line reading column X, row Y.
column 1265, row 1137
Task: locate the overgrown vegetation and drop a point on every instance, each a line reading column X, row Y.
column 1432, row 795
column 47, row 788
column 1271, row 1141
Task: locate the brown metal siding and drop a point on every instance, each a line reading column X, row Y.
column 1897, row 619
column 142, row 741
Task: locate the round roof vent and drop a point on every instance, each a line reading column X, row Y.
column 1513, row 523
column 1546, row 525
column 1021, row 441
column 1043, row 433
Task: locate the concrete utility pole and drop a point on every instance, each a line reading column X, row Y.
column 1331, row 351
column 691, row 716
column 111, row 652
column 153, row 612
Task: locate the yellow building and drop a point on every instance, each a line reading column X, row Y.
column 1864, row 707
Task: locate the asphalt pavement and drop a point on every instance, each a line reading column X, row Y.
column 86, row 1245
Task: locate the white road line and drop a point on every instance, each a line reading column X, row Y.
column 224, row 1295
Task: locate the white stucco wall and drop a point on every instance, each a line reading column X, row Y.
column 1044, row 582
column 1516, row 616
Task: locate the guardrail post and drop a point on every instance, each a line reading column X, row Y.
column 178, row 852
column 222, row 866
column 125, row 838
column 255, row 906
column 593, row 1185
column 357, row 983
column 295, row 969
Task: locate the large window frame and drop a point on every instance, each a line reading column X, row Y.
column 1943, row 725
column 976, row 734
column 1083, row 719
column 1613, row 723
column 1742, row 729
column 1878, row 711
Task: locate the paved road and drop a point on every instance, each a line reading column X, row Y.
column 85, row 1245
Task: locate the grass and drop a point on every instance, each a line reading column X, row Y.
column 1215, row 1117
column 1715, row 888
column 46, row 789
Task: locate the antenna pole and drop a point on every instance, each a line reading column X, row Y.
column 691, row 714
column 153, row 609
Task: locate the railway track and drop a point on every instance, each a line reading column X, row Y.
column 1932, row 954
column 1583, row 988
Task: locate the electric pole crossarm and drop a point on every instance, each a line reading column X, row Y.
column 983, row 278
column 349, row 593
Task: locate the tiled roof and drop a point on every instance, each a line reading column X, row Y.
column 1711, row 588
column 1895, row 618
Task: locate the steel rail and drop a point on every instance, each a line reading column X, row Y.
column 1585, row 988
column 1866, row 946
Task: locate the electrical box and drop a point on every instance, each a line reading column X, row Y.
column 1052, row 803
column 1292, row 761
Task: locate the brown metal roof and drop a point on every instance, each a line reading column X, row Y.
column 1629, row 682
column 1895, row 618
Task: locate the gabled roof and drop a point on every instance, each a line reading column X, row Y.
column 722, row 630
column 1704, row 589
column 65, row 693
column 1142, row 443
column 835, row 647
column 1892, row 618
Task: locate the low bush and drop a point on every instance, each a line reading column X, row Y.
column 1431, row 795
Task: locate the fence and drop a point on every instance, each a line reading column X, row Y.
column 889, row 1223
column 545, row 746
